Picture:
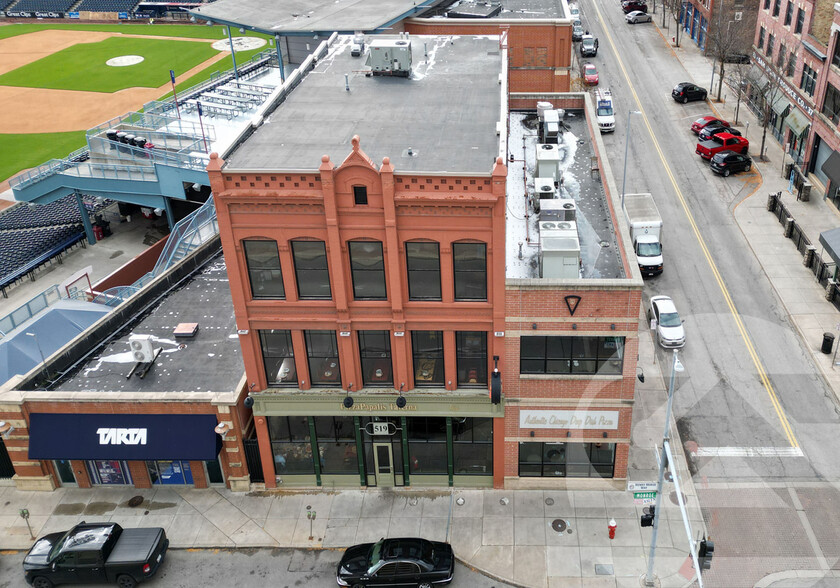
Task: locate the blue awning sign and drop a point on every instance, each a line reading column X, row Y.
column 123, row 436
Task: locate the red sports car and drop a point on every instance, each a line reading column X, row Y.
column 702, row 122
column 590, row 74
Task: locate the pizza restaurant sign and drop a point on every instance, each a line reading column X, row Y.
column 568, row 419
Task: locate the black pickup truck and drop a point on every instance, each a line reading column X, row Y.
column 95, row 553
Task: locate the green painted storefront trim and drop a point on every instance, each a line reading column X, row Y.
column 473, row 481
column 450, row 451
column 316, row 456
column 298, row 480
column 360, row 449
column 282, row 402
column 431, row 480
column 406, row 468
column 340, row 481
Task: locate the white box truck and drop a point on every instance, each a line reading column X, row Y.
column 645, row 230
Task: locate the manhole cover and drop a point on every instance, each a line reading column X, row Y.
column 673, row 497
column 559, row 525
column 604, row 570
column 135, row 501
column 549, row 501
column 460, row 501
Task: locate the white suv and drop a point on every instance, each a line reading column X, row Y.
column 669, row 327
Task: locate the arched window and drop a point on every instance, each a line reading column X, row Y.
column 311, row 270
column 470, row 265
column 263, row 261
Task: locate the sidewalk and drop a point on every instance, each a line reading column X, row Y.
column 800, row 293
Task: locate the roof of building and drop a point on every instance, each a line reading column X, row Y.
column 454, row 84
column 299, row 16
column 211, row 361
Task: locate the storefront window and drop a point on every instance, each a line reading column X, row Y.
column 427, row 347
column 108, row 472
column 290, row 444
column 322, row 351
column 471, row 354
column 427, row 445
column 472, row 444
column 278, row 358
column 170, row 472
column 573, row 460
column 337, row 445
column 375, row 355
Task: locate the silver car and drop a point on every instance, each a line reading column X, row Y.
column 669, row 327
column 637, row 16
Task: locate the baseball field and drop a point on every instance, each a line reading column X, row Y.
column 58, row 80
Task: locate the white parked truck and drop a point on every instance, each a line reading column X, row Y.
column 645, row 229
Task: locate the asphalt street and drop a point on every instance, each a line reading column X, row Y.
column 243, row 568
column 749, row 384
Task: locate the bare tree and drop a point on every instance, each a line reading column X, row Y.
column 768, row 93
column 737, row 79
column 674, row 6
column 724, row 44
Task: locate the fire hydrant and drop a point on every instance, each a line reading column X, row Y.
column 612, row 528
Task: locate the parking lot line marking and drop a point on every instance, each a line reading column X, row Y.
column 749, row 452
column 762, row 374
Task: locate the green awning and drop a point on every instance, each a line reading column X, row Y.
column 757, row 78
column 797, row 121
column 780, row 103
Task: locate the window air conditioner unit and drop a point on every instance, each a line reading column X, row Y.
column 142, row 349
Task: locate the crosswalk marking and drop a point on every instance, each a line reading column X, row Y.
column 748, row 452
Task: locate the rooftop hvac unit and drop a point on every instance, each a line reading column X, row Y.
column 142, row 349
column 558, row 209
column 542, row 108
column 548, row 160
column 568, row 209
column 544, row 188
column 551, row 126
column 390, row 57
column 559, row 250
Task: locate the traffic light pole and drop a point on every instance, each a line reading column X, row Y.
column 697, row 566
column 664, row 458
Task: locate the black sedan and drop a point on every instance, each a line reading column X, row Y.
column 397, row 562
column 713, row 129
column 729, row 162
column 686, row 91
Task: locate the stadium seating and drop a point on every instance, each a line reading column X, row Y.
column 107, row 5
column 4, row 4
column 44, row 5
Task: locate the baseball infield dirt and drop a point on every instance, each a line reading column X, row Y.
column 36, row 110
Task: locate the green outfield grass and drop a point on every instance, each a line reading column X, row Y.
column 29, row 150
column 82, row 67
column 157, row 30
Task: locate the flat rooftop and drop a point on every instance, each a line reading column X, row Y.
column 453, row 91
column 211, row 361
column 510, row 9
column 600, row 257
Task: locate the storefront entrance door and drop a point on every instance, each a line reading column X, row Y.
column 65, row 472
column 383, row 459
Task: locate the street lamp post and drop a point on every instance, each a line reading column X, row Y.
column 626, row 149
column 676, row 367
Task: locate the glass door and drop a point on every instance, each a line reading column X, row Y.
column 384, row 464
column 214, row 473
column 65, row 472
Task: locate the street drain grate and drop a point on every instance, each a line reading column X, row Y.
column 549, row 501
column 558, row 525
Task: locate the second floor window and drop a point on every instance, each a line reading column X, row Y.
column 789, row 13
column 471, row 357
column 770, row 41
column 311, row 270
column 470, row 263
column 831, row 107
column 422, row 261
column 427, row 349
column 809, row 80
column 761, row 33
column 263, row 261
column 780, row 59
column 791, row 65
column 278, row 358
column 375, row 355
column 322, row 353
column 571, row 355
column 368, row 270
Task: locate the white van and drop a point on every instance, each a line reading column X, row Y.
column 574, row 11
column 604, row 112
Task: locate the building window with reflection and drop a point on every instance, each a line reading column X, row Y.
column 423, row 268
column 322, row 353
column 290, row 443
column 427, row 445
column 472, row 446
column 278, row 358
column 470, row 264
column 427, row 350
column 375, row 356
column 311, row 270
column 566, row 460
column 263, row 261
column 571, row 355
column 337, row 445
column 367, row 268
column 471, row 358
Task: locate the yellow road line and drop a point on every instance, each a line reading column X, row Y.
column 762, row 374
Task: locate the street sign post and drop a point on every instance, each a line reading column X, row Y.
column 644, row 497
column 641, row 486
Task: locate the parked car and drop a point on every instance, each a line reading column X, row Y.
column 686, row 91
column 574, row 11
column 721, row 142
column 397, row 562
column 669, row 327
column 637, row 16
column 588, row 46
column 577, row 32
column 590, row 74
column 96, row 553
column 729, row 162
column 634, row 6
column 712, row 130
column 704, row 121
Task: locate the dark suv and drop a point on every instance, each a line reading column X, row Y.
column 686, row 91
column 729, row 162
column 631, row 5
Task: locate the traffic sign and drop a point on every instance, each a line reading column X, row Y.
column 644, row 497
column 641, row 486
